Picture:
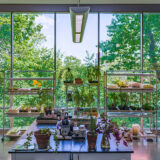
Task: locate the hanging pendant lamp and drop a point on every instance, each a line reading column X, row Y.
column 78, row 21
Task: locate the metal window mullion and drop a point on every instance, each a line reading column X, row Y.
column 98, row 89
column 54, row 81
column 141, row 41
column 141, row 63
column 3, row 136
column 11, row 72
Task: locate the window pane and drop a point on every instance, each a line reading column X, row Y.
column 33, row 41
column 120, row 41
column 33, row 51
column 119, row 50
column 77, row 57
column 151, row 45
column 5, row 52
column 5, row 41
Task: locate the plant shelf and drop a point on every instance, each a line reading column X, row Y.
column 140, row 90
column 11, row 89
column 129, row 114
column 148, row 136
column 130, row 74
column 23, row 114
column 15, row 135
column 30, row 91
column 46, row 121
column 21, row 78
column 131, row 111
column 84, row 85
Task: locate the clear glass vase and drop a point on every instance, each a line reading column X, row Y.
column 105, row 144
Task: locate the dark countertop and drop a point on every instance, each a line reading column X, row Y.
column 71, row 146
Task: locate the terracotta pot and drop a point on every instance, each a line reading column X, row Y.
column 91, row 141
column 94, row 109
column 85, row 113
column 94, row 114
column 42, row 140
column 78, row 81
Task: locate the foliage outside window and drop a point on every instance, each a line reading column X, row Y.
column 33, row 49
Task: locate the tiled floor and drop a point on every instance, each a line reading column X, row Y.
column 4, row 147
column 143, row 150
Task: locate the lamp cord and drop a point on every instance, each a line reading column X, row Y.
column 78, row 3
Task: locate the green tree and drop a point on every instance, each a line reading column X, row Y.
column 122, row 48
column 5, row 35
column 27, row 51
column 5, row 41
column 151, row 34
column 28, row 55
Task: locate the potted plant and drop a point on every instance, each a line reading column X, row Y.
column 114, row 102
column 28, row 140
column 78, row 81
column 24, row 108
column 36, row 109
column 90, row 98
column 68, row 77
column 86, row 111
column 80, row 98
column 55, row 137
column 147, row 105
column 94, row 112
column 42, row 138
column 106, row 127
column 48, row 110
column 121, row 84
column 124, row 101
column 77, row 100
column 45, row 101
column 92, row 134
column 69, row 96
column 33, row 107
column 92, row 70
column 45, row 98
column 93, row 73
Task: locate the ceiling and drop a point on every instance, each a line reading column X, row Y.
column 81, row 1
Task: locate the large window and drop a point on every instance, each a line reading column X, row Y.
column 77, row 57
column 5, row 52
column 119, row 49
column 33, row 50
column 151, row 45
column 120, row 41
column 5, row 41
column 33, row 41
